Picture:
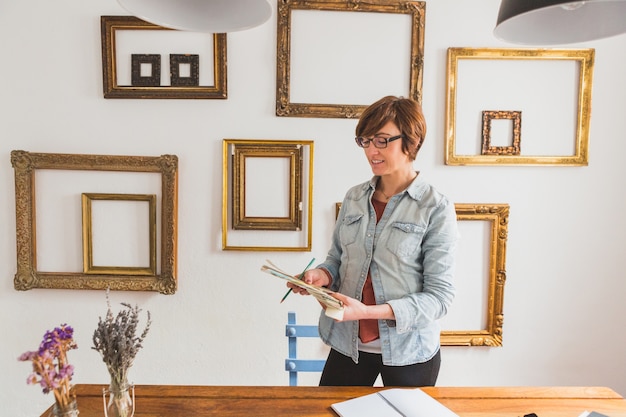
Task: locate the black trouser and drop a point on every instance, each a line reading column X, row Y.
column 340, row 370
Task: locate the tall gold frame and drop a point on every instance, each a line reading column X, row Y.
column 269, row 148
column 28, row 276
column 585, row 58
column 88, row 265
column 498, row 216
column 110, row 24
column 284, row 106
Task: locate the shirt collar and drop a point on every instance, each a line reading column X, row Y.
column 415, row 190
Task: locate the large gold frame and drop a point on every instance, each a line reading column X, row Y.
column 284, row 106
column 498, row 216
column 585, row 57
column 110, row 24
column 232, row 166
column 88, row 265
column 28, row 277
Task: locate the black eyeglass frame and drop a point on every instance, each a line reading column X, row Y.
column 365, row 143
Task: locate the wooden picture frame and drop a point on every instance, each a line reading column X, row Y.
column 491, row 304
column 113, row 27
column 27, row 164
column 267, row 195
column 414, row 59
column 244, row 156
column 89, row 266
column 483, row 78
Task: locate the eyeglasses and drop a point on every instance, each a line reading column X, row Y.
column 379, row 141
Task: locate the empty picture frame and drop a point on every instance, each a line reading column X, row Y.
column 326, row 65
column 128, row 210
column 35, row 169
column 512, row 147
column 267, row 192
column 476, row 317
column 124, row 36
column 256, row 162
column 551, row 87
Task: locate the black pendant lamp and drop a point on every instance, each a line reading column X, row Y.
column 549, row 22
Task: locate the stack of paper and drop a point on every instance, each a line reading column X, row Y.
column 332, row 306
column 395, row 402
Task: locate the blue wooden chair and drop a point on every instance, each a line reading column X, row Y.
column 293, row 364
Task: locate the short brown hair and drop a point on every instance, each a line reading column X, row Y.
column 403, row 112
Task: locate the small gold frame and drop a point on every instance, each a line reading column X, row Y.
column 28, row 277
column 514, row 148
column 88, row 266
column 284, row 106
column 498, row 216
column 294, row 154
column 110, row 24
column 585, row 59
column 254, row 234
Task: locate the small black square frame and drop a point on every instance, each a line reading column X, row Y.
column 176, row 60
column 154, row 79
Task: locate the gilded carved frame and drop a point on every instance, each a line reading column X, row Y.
column 293, row 153
column 585, row 60
column 111, row 24
column 516, row 127
column 284, row 106
column 498, row 217
column 88, row 235
column 243, row 232
column 28, row 276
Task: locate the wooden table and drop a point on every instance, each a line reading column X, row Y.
column 259, row 401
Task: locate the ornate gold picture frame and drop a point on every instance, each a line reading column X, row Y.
column 491, row 303
column 490, row 334
column 89, row 266
column 326, row 107
column 488, row 78
column 267, row 195
column 512, row 148
column 112, row 29
column 28, row 164
column 244, row 170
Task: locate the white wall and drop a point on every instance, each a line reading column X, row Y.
column 563, row 309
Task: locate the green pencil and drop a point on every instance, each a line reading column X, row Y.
column 301, row 276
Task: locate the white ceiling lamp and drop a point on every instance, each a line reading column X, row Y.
column 548, row 22
column 212, row 16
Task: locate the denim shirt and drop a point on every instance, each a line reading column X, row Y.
column 410, row 254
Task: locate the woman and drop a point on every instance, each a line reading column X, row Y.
column 391, row 260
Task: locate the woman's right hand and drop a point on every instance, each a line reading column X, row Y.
column 316, row 277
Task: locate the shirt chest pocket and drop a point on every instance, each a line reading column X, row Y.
column 350, row 229
column 405, row 239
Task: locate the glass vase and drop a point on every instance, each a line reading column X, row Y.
column 121, row 401
column 70, row 411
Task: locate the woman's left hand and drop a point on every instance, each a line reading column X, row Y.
column 353, row 309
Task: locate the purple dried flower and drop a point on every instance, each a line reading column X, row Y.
column 51, row 369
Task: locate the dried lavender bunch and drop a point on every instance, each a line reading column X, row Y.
column 117, row 341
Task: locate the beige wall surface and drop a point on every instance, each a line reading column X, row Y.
column 564, row 313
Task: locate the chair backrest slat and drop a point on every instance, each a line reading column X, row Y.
column 293, row 364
